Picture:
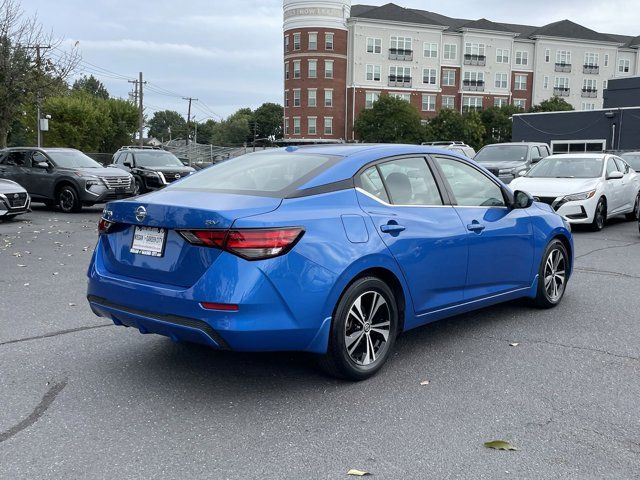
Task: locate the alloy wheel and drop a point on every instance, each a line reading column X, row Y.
column 600, row 215
column 555, row 274
column 67, row 200
column 367, row 328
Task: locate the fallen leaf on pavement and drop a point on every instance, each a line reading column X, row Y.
column 514, row 344
column 499, row 445
column 71, row 304
column 424, row 382
column 357, row 473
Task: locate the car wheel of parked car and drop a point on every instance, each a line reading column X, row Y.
column 363, row 330
column 636, row 208
column 68, row 200
column 600, row 217
column 552, row 275
column 138, row 188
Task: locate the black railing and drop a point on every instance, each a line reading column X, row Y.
column 399, row 81
column 400, row 54
column 563, row 67
column 473, row 85
column 561, row 91
column 589, row 92
column 591, row 69
column 471, row 59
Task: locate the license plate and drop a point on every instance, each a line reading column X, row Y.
column 148, row 241
column 120, row 190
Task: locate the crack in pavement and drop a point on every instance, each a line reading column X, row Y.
column 607, row 248
column 55, row 334
column 37, row 412
column 606, row 272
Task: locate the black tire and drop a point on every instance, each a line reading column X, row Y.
column 359, row 363
column 67, row 199
column 545, row 298
column 631, row 216
column 600, row 216
column 138, row 186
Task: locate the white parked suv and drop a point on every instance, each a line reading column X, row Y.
column 584, row 188
column 455, row 146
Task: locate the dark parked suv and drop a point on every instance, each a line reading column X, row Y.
column 152, row 168
column 64, row 177
column 509, row 160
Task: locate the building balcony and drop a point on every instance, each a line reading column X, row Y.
column 400, row 54
column 399, row 81
column 475, row 59
column 563, row 67
column 591, row 69
column 589, row 93
column 561, row 91
column 473, row 85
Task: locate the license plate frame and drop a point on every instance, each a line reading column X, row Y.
column 149, row 241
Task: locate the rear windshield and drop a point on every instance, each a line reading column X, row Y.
column 567, row 167
column 273, row 174
column 502, row 153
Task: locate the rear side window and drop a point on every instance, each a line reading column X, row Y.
column 372, row 183
column 275, row 174
column 410, row 182
column 470, row 187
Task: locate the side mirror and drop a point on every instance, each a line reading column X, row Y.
column 127, row 164
column 43, row 165
column 616, row 175
column 536, row 159
column 522, row 173
column 522, row 199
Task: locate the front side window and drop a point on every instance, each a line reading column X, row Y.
column 409, row 182
column 611, row 166
column 470, row 187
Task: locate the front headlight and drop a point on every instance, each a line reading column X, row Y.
column 579, row 196
column 91, row 180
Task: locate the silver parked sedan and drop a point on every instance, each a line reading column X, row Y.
column 14, row 199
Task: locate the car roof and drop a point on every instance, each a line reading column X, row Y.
column 580, row 155
column 515, row 143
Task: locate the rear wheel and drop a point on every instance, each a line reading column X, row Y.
column 138, row 187
column 600, row 216
column 68, row 200
column 363, row 330
column 636, row 208
column 552, row 275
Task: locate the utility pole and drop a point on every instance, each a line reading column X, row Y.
column 186, row 141
column 138, row 93
column 38, row 49
column 255, row 134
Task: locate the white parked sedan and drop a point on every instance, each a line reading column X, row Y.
column 584, row 188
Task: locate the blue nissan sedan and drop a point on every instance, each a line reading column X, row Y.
column 333, row 250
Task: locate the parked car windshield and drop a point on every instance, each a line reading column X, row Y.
column 261, row 173
column 502, row 153
column 559, row 167
column 72, row 159
column 633, row 159
column 157, row 158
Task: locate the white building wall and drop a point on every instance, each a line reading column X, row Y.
column 492, row 43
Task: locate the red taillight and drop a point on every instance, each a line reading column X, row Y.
column 227, row 307
column 104, row 225
column 250, row 243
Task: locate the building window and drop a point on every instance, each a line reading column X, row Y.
column 296, row 41
column 561, row 86
column 374, row 45
column 563, row 57
column 328, row 69
column 588, row 106
column 311, row 125
column 313, row 69
column 296, row 125
column 590, row 84
column 286, row 98
column 370, row 99
column 501, row 80
column 591, row 59
column 400, row 75
column 623, row 66
column 547, row 55
column 286, row 70
column 312, row 97
column 450, row 51
column 328, row 41
column 502, row 55
column 429, row 76
column 328, row 125
column 430, row 50
column 449, row 101
column 286, row 43
column 520, row 82
column 474, row 54
column 606, row 59
column 522, row 58
column 448, row 78
column 296, row 69
column 373, row 73
column 286, row 126
column 604, row 84
column 428, row 103
column 520, row 103
column 296, row 97
column 545, row 82
column 313, row 40
column 473, row 81
column 401, row 45
column 328, row 97
column 500, row 102
column 401, row 96
column 471, row 103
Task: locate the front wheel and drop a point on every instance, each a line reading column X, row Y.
column 68, row 200
column 552, row 275
column 636, row 208
column 138, row 187
column 363, row 330
column 600, row 216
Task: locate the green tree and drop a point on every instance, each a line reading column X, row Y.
column 91, row 86
column 452, row 125
column 497, row 123
column 123, row 116
column 554, row 104
column 235, row 130
column 390, row 120
column 205, row 131
column 268, row 121
column 167, row 123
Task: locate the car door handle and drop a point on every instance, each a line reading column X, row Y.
column 391, row 228
column 475, row 227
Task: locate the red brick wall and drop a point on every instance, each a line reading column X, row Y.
column 526, row 94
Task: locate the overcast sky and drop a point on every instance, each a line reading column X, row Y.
column 228, row 53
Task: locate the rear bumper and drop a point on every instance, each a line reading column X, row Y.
column 266, row 320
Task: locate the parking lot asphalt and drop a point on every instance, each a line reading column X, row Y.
column 81, row 398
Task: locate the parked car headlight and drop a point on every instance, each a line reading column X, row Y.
column 579, row 196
